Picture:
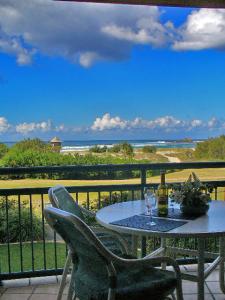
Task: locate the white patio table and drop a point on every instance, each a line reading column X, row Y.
column 210, row 225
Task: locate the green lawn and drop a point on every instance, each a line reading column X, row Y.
column 204, row 174
column 27, row 256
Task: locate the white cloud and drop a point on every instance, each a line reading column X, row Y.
column 86, row 33
column 116, row 125
column 147, row 31
column 86, row 59
column 4, row 125
column 13, row 46
column 196, row 123
column 106, row 122
column 204, row 29
column 81, row 33
column 25, row 128
column 165, row 123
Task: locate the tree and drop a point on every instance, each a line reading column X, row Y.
column 3, row 150
column 213, row 148
column 98, row 149
column 34, row 144
column 126, row 149
column 149, row 149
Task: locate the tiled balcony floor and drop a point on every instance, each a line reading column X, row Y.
column 46, row 288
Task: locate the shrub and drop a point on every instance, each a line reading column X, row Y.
column 149, row 149
column 107, row 199
column 3, row 149
column 213, row 148
column 124, row 148
column 98, row 149
column 115, row 148
column 34, row 144
column 19, row 226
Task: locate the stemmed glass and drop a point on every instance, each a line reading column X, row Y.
column 150, row 202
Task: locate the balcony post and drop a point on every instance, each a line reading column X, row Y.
column 143, row 184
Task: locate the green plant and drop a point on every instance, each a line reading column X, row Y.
column 3, row 150
column 126, row 149
column 98, row 149
column 191, row 193
column 115, row 148
column 149, row 149
column 17, row 223
column 213, row 149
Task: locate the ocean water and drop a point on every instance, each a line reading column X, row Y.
column 68, row 146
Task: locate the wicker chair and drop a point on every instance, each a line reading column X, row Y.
column 60, row 198
column 98, row 274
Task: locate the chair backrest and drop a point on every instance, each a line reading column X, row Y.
column 93, row 257
column 61, row 198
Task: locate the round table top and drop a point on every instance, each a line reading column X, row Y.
column 211, row 224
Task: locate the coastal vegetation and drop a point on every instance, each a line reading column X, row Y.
column 34, row 152
column 211, row 149
column 18, row 224
column 122, row 148
column 149, row 149
column 3, row 150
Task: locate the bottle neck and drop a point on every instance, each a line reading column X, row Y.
column 163, row 179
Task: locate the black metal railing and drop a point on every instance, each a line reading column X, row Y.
column 27, row 245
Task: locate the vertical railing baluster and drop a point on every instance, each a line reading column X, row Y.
column 20, row 237
column 110, row 197
column 99, row 200
column 143, row 182
column 121, row 196
column 55, row 251
column 88, row 200
column 77, row 200
column 32, row 231
column 7, row 231
column 216, row 190
column 43, row 230
column 132, row 195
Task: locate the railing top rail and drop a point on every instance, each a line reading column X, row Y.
column 109, row 167
column 93, row 188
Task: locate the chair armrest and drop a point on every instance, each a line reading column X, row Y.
column 88, row 212
column 151, row 260
column 121, row 241
column 154, row 261
column 124, row 247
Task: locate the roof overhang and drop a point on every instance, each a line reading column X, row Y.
column 176, row 3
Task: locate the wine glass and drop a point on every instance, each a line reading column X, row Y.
column 150, row 202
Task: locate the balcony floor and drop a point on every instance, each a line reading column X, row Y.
column 46, row 288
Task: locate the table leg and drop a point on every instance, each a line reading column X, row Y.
column 143, row 246
column 201, row 261
column 163, row 245
column 222, row 256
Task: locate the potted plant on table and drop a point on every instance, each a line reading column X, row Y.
column 192, row 196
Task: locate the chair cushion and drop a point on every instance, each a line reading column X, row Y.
column 132, row 284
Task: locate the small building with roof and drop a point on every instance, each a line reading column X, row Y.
column 56, row 143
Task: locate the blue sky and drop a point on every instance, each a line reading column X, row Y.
column 107, row 72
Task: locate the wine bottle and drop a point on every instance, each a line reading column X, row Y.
column 162, row 195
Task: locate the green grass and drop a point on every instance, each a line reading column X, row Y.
column 27, row 256
column 204, row 174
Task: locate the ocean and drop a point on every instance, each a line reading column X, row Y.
column 70, row 146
